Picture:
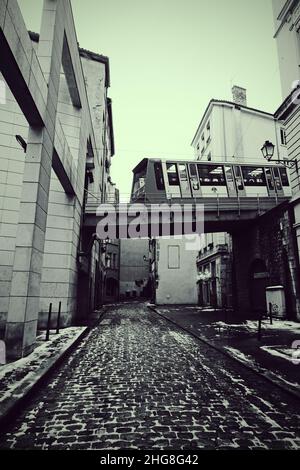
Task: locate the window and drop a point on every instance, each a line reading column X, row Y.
column 182, row 171
column 202, row 137
column 282, row 136
column 172, row 174
column 211, row 175
column 108, row 260
column 208, row 132
column 173, row 257
column 193, row 170
column 139, row 182
column 277, row 178
column 238, row 178
column 253, row 176
column 159, row 176
column 209, row 157
column 284, row 176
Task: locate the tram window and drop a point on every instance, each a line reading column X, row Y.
column 159, row 176
column 238, row 178
column 211, row 175
column 139, row 182
column 277, row 178
column 172, row 174
column 253, row 176
column 284, row 176
column 182, row 171
column 193, row 170
column 269, row 178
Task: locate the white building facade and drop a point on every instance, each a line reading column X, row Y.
column 229, row 131
column 176, row 281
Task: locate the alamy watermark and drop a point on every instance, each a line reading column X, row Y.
column 151, row 221
column 296, row 353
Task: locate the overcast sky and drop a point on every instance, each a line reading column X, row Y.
column 168, row 58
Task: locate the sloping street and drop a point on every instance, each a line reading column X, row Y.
column 136, row 381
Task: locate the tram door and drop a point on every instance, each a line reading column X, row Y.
column 230, row 181
column 270, row 181
column 172, row 179
column 184, row 180
column 239, row 182
column 195, row 185
column 277, row 181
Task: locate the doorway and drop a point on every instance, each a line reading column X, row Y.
column 258, row 281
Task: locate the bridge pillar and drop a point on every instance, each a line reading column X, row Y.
column 264, row 254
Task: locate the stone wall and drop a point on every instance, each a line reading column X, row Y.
column 270, row 243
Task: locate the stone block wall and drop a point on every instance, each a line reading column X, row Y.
column 270, row 243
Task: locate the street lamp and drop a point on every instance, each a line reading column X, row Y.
column 268, row 152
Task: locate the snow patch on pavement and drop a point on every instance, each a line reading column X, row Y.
column 280, row 351
column 23, row 371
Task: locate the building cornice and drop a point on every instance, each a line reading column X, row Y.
column 290, row 12
column 288, row 105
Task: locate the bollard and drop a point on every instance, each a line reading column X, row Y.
column 225, row 315
column 58, row 318
column 271, row 313
column 259, row 329
column 49, row 322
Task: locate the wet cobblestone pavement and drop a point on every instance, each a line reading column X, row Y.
column 138, row 382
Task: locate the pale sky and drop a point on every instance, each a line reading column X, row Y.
column 168, row 58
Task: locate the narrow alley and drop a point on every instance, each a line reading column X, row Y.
column 136, row 381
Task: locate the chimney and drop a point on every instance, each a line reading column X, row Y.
column 239, row 95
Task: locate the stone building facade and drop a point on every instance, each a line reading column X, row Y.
column 264, row 255
column 134, row 268
column 56, row 142
column 286, row 34
column 214, row 264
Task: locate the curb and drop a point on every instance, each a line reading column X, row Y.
column 13, row 407
column 257, row 370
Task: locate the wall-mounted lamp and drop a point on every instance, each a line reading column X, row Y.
column 268, row 151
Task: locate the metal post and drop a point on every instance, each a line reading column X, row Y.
column 49, row 322
column 271, row 313
column 259, row 329
column 58, row 318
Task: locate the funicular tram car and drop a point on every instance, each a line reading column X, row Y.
column 157, row 181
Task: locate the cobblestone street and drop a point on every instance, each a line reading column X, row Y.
column 136, row 381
